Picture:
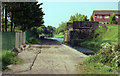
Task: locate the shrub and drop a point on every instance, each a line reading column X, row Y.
column 9, row 57
column 91, row 18
column 33, row 40
column 112, row 19
column 108, row 55
column 111, row 55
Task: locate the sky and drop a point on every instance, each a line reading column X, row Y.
column 57, row 12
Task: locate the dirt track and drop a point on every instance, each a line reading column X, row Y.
column 50, row 57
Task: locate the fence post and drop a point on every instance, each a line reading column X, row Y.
column 16, row 40
column 23, row 37
column 20, row 38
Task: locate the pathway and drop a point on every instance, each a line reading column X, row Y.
column 50, row 57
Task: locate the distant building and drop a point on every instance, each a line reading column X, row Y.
column 102, row 16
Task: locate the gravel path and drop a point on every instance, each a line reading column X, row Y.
column 50, row 57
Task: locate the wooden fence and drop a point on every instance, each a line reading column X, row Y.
column 20, row 39
column 11, row 40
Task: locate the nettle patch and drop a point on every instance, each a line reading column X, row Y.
column 109, row 54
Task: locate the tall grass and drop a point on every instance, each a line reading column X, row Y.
column 102, row 35
column 9, row 57
column 59, row 36
column 106, row 45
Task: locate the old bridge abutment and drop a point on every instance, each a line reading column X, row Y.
column 78, row 31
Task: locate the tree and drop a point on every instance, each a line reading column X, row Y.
column 78, row 17
column 8, row 12
column 6, row 18
column 29, row 15
column 46, row 31
column 62, row 27
column 25, row 15
column 42, row 29
column 91, row 18
column 50, row 30
column 112, row 19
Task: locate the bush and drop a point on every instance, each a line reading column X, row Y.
column 9, row 57
column 33, row 40
column 108, row 55
column 111, row 55
column 112, row 19
column 42, row 36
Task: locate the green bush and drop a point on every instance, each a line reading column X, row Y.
column 112, row 19
column 9, row 57
column 108, row 55
column 33, row 40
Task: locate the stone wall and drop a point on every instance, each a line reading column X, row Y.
column 69, row 26
column 78, row 31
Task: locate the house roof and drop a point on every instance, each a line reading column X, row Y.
column 106, row 12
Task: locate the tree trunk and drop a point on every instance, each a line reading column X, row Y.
column 2, row 27
column 11, row 23
column 0, row 18
column 14, row 26
column 6, row 19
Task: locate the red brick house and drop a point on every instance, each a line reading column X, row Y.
column 102, row 16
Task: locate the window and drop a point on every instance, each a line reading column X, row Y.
column 98, row 16
column 116, row 16
column 106, row 17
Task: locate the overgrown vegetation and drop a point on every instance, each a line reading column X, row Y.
column 48, row 31
column 103, row 34
column 36, row 34
column 9, row 57
column 91, row 18
column 105, row 43
column 108, row 55
column 61, row 29
column 112, row 19
column 95, row 68
column 33, row 40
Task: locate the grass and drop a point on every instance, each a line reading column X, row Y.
column 109, row 35
column 59, row 36
column 9, row 57
column 94, row 68
column 100, row 62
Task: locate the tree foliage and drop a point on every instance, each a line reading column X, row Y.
column 25, row 14
column 91, row 18
column 62, row 27
column 112, row 19
column 78, row 17
column 46, row 31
